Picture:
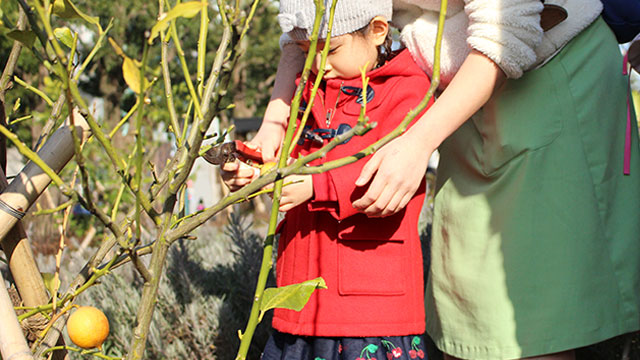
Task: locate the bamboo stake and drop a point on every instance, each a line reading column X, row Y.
column 22, row 264
column 13, row 345
column 24, row 269
column 32, row 180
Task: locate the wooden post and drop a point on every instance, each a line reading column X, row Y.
column 13, row 345
column 22, row 263
column 32, row 180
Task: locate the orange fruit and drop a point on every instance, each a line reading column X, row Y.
column 88, row 327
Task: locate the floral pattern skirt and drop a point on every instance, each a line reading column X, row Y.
column 283, row 346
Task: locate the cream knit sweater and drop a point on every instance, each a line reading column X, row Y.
column 507, row 31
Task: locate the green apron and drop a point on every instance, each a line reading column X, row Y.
column 536, row 235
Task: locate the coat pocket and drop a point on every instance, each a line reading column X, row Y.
column 371, row 267
column 373, row 256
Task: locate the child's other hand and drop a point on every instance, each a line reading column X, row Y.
column 237, row 174
column 296, row 190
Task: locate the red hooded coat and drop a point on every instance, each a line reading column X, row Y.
column 372, row 266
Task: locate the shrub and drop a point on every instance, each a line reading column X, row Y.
column 204, row 298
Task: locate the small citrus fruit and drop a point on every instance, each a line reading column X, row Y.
column 88, row 327
column 266, row 167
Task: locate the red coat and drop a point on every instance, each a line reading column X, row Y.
column 372, row 266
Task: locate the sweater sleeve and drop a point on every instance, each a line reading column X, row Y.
column 506, row 31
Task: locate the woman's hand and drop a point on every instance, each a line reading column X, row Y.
column 296, row 190
column 397, row 170
column 398, row 167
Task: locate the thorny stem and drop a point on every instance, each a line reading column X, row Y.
column 124, row 119
column 166, row 76
column 32, row 156
column 137, row 180
column 105, row 141
column 5, row 80
column 13, row 57
column 305, row 76
column 94, row 51
column 33, row 22
column 185, row 70
column 95, row 275
column 202, row 46
column 55, row 209
column 56, row 111
column 58, row 257
column 34, row 90
column 267, row 262
column 95, row 353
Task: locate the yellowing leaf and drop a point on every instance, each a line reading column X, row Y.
column 131, row 73
column 67, row 10
column 187, row 10
column 64, row 35
column 130, row 69
column 293, row 297
column 25, row 37
column 116, row 47
column 51, row 282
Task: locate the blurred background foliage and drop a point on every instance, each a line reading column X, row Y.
column 111, row 99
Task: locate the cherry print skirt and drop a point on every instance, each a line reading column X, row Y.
column 283, row 346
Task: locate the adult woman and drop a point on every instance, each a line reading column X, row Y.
column 535, row 245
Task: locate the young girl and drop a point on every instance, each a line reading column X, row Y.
column 374, row 305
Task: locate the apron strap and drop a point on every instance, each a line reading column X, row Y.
column 627, row 138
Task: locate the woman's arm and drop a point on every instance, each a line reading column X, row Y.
column 396, row 170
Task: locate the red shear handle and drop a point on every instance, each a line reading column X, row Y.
column 247, row 153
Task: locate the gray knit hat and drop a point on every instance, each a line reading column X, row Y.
column 296, row 16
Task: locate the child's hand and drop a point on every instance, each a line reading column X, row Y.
column 296, row 190
column 237, row 174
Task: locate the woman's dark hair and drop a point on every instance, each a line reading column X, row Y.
column 384, row 51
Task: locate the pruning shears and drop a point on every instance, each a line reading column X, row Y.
column 232, row 150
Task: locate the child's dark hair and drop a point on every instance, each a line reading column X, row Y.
column 384, row 51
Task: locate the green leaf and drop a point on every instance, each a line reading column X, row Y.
column 51, row 282
column 25, row 37
column 64, row 35
column 67, row 10
column 186, row 9
column 293, row 297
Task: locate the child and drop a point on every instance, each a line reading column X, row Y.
column 374, row 304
